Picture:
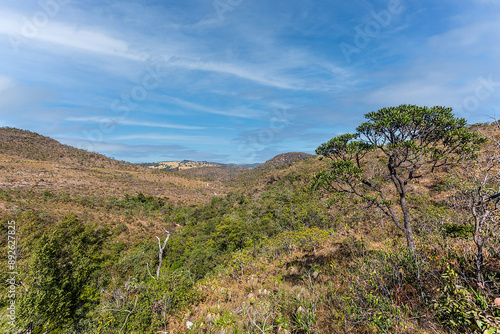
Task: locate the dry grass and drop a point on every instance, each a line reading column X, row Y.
column 39, row 176
column 272, row 288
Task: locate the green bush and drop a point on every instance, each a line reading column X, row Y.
column 61, row 276
column 464, row 309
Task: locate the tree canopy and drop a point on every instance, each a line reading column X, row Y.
column 414, row 141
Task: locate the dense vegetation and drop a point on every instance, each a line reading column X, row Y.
column 274, row 255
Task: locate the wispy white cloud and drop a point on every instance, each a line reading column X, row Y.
column 145, row 152
column 177, row 138
column 422, row 91
column 242, row 72
column 273, row 72
column 111, row 147
column 476, row 38
column 87, row 39
column 231, row 78
column 449, row 69
column 238, row 112
column 110, row 120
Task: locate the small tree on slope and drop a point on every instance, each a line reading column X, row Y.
column 414, row 141
column 479, row 193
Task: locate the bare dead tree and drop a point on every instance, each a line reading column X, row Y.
column 161, row 248
column 480, row 193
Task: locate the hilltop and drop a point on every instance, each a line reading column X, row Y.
column 32, row 146
column 284, row 159
column 208, row 171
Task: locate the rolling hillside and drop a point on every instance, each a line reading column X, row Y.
column 31, row 162
column 32, row 146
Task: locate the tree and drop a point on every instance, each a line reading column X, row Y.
column 161, row 248
column 61, row 286
column 479, row 193
column 412, row 141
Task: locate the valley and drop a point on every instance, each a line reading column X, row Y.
column 247, row 250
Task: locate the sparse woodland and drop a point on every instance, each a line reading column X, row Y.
column 396, row 234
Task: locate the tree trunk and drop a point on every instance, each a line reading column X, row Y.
column 479, row 263
column 410, row 241
column 160, row 252
column 407, row 223
column 401, row 185
column 479, row 241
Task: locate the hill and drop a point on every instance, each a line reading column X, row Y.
column 284, row 159
column 244, row 176
column 221, row 173
column 268, row 172
column 29, row 145
column 180, row 165
column 209, row 171
column 31, row 162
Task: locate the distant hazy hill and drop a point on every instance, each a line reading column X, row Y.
column 210, row 171
column 213, row 171
column 284, row 159
column 30, row 145
column 188, row 164
column 180, row 165
column 270, row 170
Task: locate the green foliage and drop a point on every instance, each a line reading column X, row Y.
column 61, row 286
column 410, row 135
column 463, row 231
column 465, row 309
column 239, row 262
column 47, row 194
column 229, row 224
column 415, row 141
column 340, row 274
column 343, row 146
column 141, row 307
column 306, row 239
column 300, row 210
column 376, row 291
column 231, row 234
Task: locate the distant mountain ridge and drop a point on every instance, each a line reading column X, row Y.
column 213, row 171
column 180, row 165
column 189, row 164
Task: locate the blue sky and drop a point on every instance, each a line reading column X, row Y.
column 237, row 80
